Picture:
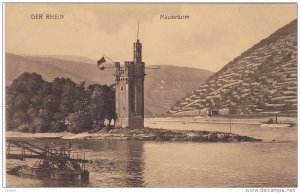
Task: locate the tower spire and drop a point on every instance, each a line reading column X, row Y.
column 137, row 34
column 137, row 48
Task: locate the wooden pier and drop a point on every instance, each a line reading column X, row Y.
column 51, row 162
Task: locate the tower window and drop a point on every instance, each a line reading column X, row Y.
column 121, row 87
column 123, row 108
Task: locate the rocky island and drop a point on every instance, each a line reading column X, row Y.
column 146, row 134
column 150, row 134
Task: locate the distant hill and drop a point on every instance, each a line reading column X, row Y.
column 163, row 86
column 262, row 79
column 87, row 70
column 16, row 65
column 71, row 58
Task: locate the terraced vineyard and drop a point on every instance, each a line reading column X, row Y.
column 262, row 79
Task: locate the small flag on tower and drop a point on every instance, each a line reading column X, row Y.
column 100, row 62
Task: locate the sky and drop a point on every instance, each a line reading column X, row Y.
column 213, row 35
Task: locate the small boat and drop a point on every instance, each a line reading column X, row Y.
column 40, row 172
column 34, row 171
column 274, row 123
column 14, row 170
column 74, row 175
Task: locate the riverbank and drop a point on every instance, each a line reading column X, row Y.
column 146, row 134
column 218, row 120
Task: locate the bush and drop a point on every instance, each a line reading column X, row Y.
column 24, row 128
column 79, row 122
column 40, row 125
column 57, row 126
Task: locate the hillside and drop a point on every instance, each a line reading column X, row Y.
column 262, row 79
column 76, row 66
column 163, row 86
column 72, row 58
column 16, row 65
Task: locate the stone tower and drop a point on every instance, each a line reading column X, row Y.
column 130, row 91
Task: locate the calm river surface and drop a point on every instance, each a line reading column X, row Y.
column 271, row 163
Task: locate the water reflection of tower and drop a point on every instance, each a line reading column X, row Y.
column 135, row 165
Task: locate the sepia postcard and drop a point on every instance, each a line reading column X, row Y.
column 154, row 95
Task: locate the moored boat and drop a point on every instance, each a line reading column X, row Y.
column 274, row 123
column 73, row 175
column 14, row 170
column 34, row 171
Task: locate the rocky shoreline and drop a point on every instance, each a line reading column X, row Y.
column 150, row 134
column 146, row 134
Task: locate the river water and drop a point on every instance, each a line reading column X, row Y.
column 270, row 163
